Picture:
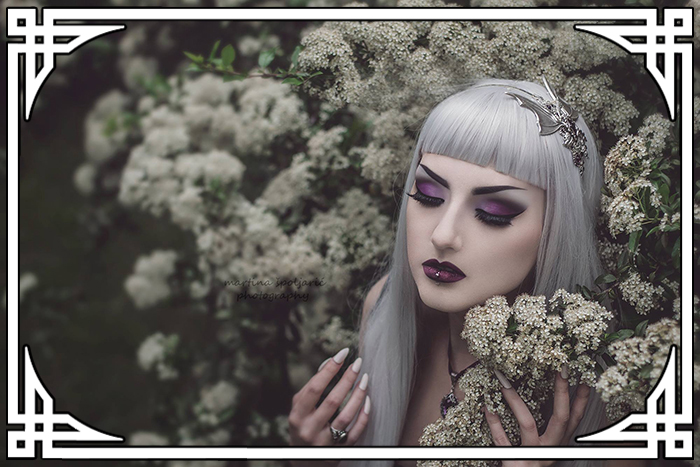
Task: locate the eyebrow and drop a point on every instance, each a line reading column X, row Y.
column 479, row 190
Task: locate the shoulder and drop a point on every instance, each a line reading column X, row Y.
column 372, row 296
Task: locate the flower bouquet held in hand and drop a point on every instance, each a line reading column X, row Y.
column 523, row 346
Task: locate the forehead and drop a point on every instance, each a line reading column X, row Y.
column 461, row 173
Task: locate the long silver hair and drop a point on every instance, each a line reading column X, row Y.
column 484, row 126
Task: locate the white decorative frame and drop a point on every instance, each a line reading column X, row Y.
column 666, row 427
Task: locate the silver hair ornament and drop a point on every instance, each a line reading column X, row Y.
column 553, row 115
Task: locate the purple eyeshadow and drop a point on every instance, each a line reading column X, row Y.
column 496, row 208
column 428, row 189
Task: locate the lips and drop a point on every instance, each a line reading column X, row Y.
column 442, row 272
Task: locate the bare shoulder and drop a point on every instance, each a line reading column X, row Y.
column 373, row 295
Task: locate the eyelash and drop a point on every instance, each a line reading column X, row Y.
column 480, row 214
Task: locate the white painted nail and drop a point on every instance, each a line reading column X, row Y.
column 502, row 378
column 363, row 381
column 340, row 356
column 323, row 364
column 356, row 366
column 367, row 405
column 565, row 371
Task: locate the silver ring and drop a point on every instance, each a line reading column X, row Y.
column 339, row 436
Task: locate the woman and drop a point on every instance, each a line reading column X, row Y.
column 497, row 203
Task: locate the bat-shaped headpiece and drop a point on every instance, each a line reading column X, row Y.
column 555, row 115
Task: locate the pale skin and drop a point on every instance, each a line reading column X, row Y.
column 496, row 249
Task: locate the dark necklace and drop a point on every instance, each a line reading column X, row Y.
column 450, row 400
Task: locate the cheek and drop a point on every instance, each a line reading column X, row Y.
column 512, row 256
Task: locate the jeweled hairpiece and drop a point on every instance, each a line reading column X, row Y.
column 553, row 115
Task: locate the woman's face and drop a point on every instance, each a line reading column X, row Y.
column 485, row 223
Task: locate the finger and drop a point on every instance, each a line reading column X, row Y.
column 360, row 424
column 578, row 408
column 347, row 415
column 497, row 432
column 304, row 402
column 556, row 428
column 336, row 397
column 528, row 427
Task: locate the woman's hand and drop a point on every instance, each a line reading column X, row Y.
column 560, row 428
column 310, row 426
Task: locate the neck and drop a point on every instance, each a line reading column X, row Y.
column 461, row 357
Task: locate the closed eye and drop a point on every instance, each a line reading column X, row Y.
column 425, row 200
column 494, row 220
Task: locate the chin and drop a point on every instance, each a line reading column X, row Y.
column 443, row 297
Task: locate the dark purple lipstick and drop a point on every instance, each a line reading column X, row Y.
column 442, row 272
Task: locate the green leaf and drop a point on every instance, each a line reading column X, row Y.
column 641, row 328
column 645, row 372
column 214, row 49
column 634, row 241
column 676, row 248
column 228, row 55
column 295, row 57
column 193, row 67
column 194, row 58
column 624, row 334
column 605, row 279
column 292, row 80
column 266, row 57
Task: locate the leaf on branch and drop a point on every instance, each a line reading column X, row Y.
column 214, row 49
column 641, row 328
column 194, row 58
column 292, row 80
column 228, row 55
column 266, row 57
column 634, row 240
column 605, row 279
column 295, row 57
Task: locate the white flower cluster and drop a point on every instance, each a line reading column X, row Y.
column 627, row 168
column 354, row 235
column 529, row 342
column 215, row 402
column 642, row 295
column 465, row 424
column 334, row 336
column 532, row 337
column 630, row 158
column 147, row 438
column 609, row 253
column 27, row 282
column 262, row 427
column 156, row 353
column 106, row 135
column 148, row 285
column 602, row 107
column 640, row 361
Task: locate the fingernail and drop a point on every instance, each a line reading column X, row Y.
column 565, row 371
column 502, row 378
column 323, row 364
column 356, row 366
column 340, row 356
column 363, row 381
column 367, row 405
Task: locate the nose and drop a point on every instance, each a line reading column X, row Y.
column 446, row 235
